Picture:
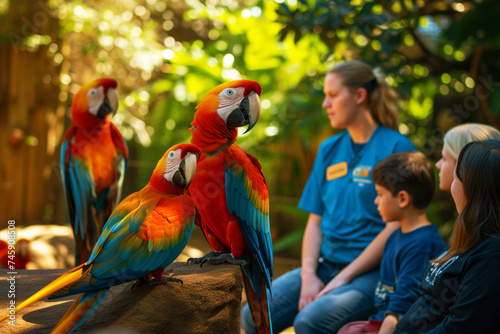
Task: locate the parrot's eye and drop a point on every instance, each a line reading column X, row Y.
column 229, row 92
column 92, row 92
column 171, row 155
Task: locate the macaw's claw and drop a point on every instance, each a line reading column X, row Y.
column 167, row 278
column 152, row 281
column 140, row 282
column 199, row 260
column 224, row 258
column 164, row 280
column 218, row 258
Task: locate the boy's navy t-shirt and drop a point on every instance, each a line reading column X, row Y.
column 405, row 257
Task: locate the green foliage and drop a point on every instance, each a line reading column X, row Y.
column 479, row 22
column 167, row 55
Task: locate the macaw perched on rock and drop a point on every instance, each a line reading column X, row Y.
column 145, row 233
column 93, row 163
column 230, row 191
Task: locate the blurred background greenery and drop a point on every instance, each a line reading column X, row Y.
column 441, row 56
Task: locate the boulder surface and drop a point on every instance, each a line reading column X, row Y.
column 208, row 301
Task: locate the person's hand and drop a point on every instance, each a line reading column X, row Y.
column 310, row 287
column 338, row 281
column 389, row 324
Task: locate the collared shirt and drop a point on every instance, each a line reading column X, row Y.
column 340, row 190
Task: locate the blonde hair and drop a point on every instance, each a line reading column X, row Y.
column 382, row 100
column 459, row 136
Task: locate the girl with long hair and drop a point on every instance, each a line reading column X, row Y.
column 460, row 289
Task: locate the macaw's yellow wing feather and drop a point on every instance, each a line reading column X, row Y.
column 82, row 307
column 64, row 280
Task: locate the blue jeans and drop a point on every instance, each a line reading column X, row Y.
column 328, row 314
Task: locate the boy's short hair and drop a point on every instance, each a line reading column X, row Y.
column 408, row 171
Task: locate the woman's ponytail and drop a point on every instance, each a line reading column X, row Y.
column 383, row 102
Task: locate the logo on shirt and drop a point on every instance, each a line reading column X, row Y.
column 383, row 290
column 435, row 271
column 361, row 171
column 360, row 175
column 335, row 171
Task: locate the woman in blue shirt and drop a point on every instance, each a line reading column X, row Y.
column 345, row 236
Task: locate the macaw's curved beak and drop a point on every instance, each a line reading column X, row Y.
column 247, row 113
column 109, row 104
column 184, row 175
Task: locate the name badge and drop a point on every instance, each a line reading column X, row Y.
column 335, row 171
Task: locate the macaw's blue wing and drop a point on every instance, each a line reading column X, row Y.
column 146, row 232
column 247, row 198
column 79, row 192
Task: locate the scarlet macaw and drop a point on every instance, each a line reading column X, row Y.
column 230, row 191
column 16, row 258
column 145, row 233
column 93, row 163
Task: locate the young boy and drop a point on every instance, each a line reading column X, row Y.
column 405, row 185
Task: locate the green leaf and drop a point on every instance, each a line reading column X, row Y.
column 322, row 4
column 284, row 10
column 367, row 8
column 481, row 18
column 289, row 240
column 335, row 22
column 322, row 19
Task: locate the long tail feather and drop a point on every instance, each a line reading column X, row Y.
column 259, row 307
column 83, row 306
column 66, row 279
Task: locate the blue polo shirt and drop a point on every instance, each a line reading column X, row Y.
column 340, row 190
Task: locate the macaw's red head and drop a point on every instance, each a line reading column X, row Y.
column 175, row 170
column 93, row 102
column 228, row 106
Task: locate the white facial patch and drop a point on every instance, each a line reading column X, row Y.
column 112, row 98
column 173, row 162
column 95, row 97
column 229, row 99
